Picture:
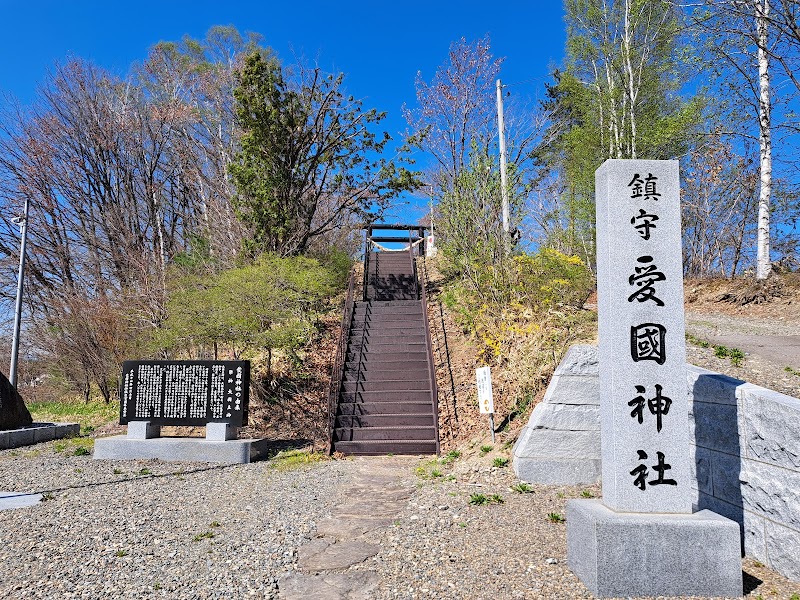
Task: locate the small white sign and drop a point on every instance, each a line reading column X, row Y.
column 485, row 398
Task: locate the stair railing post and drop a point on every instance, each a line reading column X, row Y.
column 431, row 367
column 341, row 357
column 367, row 252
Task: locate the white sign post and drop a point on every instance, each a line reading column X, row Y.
column 485, row 398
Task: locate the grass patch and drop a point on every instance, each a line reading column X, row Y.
column 697, row 341
column 555, row 517
column 522, row 488
column 500, row 461
column 735, row 355
column 121, row 553
column 486, row 449
column 482, row 499
column 587, row 494
column 293, row 459
column 48, row 496
column 74, row 446
column 90, row 415
column 429, row 470
column 206, row 535
column 450, row 457
column 796, row 373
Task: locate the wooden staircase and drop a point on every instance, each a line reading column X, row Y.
column 386, row 398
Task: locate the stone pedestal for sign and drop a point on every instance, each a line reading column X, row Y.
column 642, row 538
column 646, row 554
column 143, row 442
column 143, row 430
column 220, row 432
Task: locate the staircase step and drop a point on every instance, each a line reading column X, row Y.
column 388, row 305
column 384, row 433
column 380, row 357
column 386, row 386
column 386, row 420
column 389, row 344
column 373, row 338
column 405, row 366
column 390, row 296
column 410, row 407
column 419, row 378
column 385, row 396
column 376, row 447
column 407, row 374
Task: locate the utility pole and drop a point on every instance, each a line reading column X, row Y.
column 23, row 231
column 501, row 132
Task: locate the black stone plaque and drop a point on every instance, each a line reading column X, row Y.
column 185, row 392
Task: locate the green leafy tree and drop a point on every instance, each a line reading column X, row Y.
column 619, row 96
column 269, row 305
column 309, row 161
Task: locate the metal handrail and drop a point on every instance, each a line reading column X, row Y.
column 337, row 372
column 431, row 366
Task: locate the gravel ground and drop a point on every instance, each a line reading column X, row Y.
column 134, row 529
column 188, row 530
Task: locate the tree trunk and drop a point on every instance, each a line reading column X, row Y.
column 763, row 264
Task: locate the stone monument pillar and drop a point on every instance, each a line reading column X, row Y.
column 642, row 538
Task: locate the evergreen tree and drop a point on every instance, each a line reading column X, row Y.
column 309, row 162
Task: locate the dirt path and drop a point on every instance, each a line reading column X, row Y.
column 768, row 334
column 776, row 341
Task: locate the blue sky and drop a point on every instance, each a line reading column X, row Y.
column 379, row 45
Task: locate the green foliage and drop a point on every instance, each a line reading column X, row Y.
column 478, row 499
column 469, row 223
column 267, row 305
column 486, row 449
column 450, row 457
column 500, row 461
column 293, row 459
column 522, row 488
column 734, row 354
column 697, row 341
column 206, row 535
column 88, row 414
column 587, row 494
column 307, row 161
column 514, row 299
column 555, row 517
column 619, row 95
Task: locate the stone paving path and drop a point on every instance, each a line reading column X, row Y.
column 372, row 501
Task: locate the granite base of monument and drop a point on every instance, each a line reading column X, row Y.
column 122, row 447
column 618, row 554
column 36, row 433
column 143, row 442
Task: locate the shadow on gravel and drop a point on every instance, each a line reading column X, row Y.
column 267, row 449
column 750, row 582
